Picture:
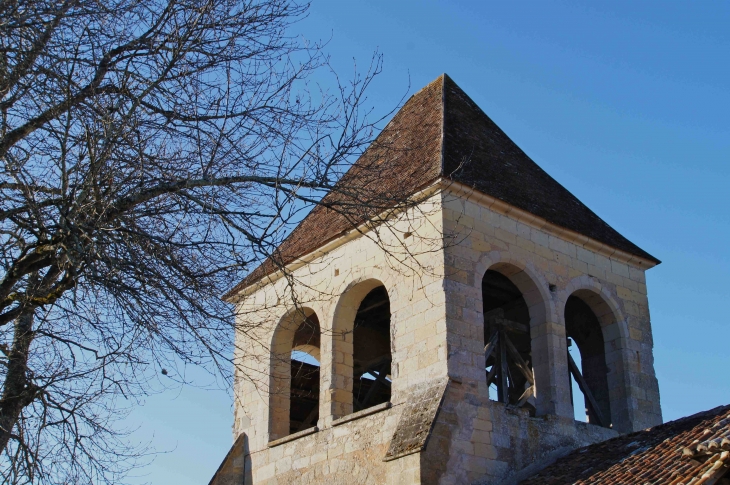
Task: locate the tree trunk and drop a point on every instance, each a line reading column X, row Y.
column 17, row 391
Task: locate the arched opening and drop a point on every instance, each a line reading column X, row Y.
column 587, row 363
column 371, row 351
column 304, row 390
column 295, row 374
column 508, row 356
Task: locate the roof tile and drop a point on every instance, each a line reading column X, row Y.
column 665, row 454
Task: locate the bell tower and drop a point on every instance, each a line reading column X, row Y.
column 518, row 332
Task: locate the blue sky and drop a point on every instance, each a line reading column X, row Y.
column 627, row 104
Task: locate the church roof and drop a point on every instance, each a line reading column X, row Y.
column 439, row 133
column 691, row 450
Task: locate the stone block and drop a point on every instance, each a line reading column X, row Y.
column 621, row 269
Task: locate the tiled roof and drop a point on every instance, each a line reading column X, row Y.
column 439, row 132
column 404, row 158
column 495, row 165
column 693, row 450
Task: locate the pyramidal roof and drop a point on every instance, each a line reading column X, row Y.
column 441, row 133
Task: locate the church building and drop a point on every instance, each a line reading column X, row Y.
column 451, row 339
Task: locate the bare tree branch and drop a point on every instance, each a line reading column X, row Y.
column 153, row 152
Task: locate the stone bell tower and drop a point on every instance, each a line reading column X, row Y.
column 458, row 366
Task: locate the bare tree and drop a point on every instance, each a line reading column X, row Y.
column 152, row 153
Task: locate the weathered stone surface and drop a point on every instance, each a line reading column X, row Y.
column 478, row 441
column 233, row 468
column 416, row 419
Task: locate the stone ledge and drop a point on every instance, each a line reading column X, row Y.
column 293, row 436
column 361, row 414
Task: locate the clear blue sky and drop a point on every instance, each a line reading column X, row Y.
column 625, row 103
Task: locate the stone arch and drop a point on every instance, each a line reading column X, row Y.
column 535, row 348
column 346, row 362
column 350, row 299
column 534, row 287
column 596, row 297
column 294, row 386
column 603, row 304
column 308, row 349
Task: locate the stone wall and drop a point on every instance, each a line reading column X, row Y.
column 349, row 453
column 332, row 286
column 478, row 441
column 437, row 333
column 355, row 449
column 471, row 440
column 548, row 265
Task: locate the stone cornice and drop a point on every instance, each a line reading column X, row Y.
column 333, row 244
column 459, row 190
column 529, row 219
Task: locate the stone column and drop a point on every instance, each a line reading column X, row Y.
column 336, row 365
column 550, row 364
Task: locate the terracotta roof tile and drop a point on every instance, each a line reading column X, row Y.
column 439, row 132
column 671, row 453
